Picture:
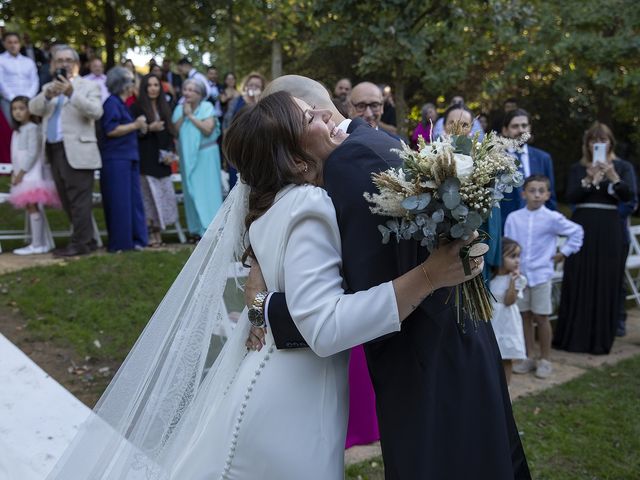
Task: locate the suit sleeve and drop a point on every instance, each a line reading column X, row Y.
column 548, row 167
column 89, row 102
column 329, row 320
column 40, row 106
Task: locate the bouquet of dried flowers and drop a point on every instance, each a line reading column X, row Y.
column 446, row 190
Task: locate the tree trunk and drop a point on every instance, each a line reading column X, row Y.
column 110, row 33
column 276, row 59
column 401, row 103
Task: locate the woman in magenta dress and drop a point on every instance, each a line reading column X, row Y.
column 363, row 422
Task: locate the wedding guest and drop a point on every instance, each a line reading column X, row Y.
column 366, row 101
column 120, row 174
column 70, row 105
column 506, row 287
column 537, row 229
column 483, row 118
column 428, row 116
column 252, row 87
column 458, row 119
column 186, row 69
column 18, row 74
column 228, row 92
column 173, row 78
column 341, row 93
column 97, row 75
column 198, row 132
column 589, row 304
column 509, row 105
column 34, row 53
column 128, row 64
column 438, row 128
column 32, row 185
column 168, row 90
column 155, row 148
column 214, row 90
column 532, row 160
column 388, row 119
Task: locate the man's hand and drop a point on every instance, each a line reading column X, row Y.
column 52, row 90
column 64, row 85
column 558, row 258
column 255, row 283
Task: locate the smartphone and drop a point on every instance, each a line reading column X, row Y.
column 60, row 72
column 599, row 153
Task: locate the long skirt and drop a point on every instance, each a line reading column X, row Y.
column 589, row 305
column 159, row 196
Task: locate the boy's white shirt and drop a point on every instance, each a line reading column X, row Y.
column 537, row 232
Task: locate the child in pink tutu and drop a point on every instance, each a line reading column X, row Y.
column 32, row 185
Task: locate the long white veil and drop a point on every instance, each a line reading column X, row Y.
column 154, row 405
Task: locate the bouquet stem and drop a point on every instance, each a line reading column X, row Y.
column 475, row 299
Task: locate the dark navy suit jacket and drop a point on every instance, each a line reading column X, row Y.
column 540, row 163
column 442, row 401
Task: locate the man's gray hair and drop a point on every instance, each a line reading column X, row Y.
column 118, row 79
column 62, row 47
column 199, row 86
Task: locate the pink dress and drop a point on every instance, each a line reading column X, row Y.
column 37, row 185
column 363, row 422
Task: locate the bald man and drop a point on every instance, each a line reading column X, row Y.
column 442, row 400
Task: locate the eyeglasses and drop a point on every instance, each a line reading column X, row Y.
column 362, row 106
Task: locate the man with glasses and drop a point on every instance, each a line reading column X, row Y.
column 69, row 107
column 533, row 161
column 367, row 103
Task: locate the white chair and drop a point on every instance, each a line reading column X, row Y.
column 633, row 263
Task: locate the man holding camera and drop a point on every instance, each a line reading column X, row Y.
column 70, row 105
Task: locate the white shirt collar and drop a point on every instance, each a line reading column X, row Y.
column 344, row 125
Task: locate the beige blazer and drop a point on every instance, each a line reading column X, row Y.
column 77, row 120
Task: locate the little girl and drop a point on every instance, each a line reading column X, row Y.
column 31, row 184
column 506, row 287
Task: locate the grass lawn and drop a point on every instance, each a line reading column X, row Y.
column 588, row 428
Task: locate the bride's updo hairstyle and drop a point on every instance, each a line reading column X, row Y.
column 264, row 142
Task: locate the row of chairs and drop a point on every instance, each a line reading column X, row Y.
column 25, row 233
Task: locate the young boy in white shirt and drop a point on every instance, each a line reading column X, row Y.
column 536, row 229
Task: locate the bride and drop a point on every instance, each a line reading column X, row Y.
column 265, row 414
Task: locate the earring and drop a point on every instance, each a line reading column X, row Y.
column 306, row 167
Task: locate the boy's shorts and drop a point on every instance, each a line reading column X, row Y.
column 536, row 299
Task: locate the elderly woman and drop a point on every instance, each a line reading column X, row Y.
column 198, row 133
column 120, row 174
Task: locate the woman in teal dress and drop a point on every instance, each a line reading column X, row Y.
column 198, row 133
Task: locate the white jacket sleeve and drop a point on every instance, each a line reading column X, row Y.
column 34, row 146
column 328, row 319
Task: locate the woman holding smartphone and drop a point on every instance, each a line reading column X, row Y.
column 598, row 185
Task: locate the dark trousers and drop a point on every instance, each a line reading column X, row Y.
column 122, row 202
column 75, row 188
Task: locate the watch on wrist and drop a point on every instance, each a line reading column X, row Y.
column 256, row 311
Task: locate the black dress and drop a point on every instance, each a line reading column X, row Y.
column 589, row 305
column 149, row 146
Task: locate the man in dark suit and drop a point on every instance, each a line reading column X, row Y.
column 442, row 400
column 533, row 161
column 171, row 77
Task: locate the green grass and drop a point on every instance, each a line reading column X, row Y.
column 108, row 298
column 586, row 429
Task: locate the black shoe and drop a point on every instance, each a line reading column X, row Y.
column 71, row 251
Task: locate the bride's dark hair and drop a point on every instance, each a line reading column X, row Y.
column 264, row 143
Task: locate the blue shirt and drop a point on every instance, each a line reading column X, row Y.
column 117, row 148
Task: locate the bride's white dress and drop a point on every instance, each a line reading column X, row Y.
column 284, row 415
